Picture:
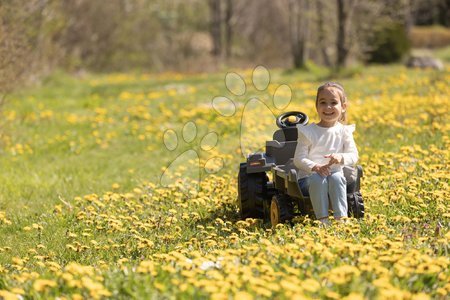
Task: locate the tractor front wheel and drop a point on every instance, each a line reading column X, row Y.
column 281, row 209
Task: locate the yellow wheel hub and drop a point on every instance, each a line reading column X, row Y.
column 274, row 212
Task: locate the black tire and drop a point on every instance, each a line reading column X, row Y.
column 252, row 192
column 355, row 205
column 281, row 209
column 355, row 200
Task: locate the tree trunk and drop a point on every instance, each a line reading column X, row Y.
column 321, row 34
column 345, row 10
column 298, row 30
column 228, row 29
column 409, row 19
column 215, row 27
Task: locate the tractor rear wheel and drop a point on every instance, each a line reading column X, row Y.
column 252, row 192
column 355, row 205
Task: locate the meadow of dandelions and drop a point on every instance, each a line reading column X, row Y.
column 184, row 242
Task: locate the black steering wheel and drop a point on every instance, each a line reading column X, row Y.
column 291, row 119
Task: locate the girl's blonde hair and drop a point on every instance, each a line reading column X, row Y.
column 342, row 97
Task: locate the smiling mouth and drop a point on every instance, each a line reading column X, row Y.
column 328, row 114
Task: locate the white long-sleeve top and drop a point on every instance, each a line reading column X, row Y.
column 314, row 142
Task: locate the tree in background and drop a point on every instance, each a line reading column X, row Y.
column 13, row 52
column 430, row 12
column 345, row 10
column 221, row 13
column 261, row 33
column 38, row 36
column 228, row 28
column 123, row 35
column 21, row 42
column 323, row 31
column 216, row 26
column 298, row 11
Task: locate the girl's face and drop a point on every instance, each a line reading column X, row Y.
column 329, row 106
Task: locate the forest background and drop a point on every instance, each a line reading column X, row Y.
column 38, row 37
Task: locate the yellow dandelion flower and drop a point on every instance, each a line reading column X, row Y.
column 420, row 296
column 242, row 295
column 7, row 295
column 310, row 285
column 354, row 296
column 18, row 261
column 18, row 291
column 427, row 268
column 77, row 297
column 40, row 285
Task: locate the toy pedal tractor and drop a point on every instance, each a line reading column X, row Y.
column 281, row 199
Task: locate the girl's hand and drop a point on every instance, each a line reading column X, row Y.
column 322, row 170
column 335, row 158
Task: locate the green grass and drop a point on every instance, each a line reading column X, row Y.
column 81, row 135
column 31, row 183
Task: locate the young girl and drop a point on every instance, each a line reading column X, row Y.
column 323, row 149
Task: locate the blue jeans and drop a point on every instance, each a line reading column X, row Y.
column 323, row 190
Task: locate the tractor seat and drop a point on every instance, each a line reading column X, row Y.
column 283, row 145
column 281, row 151
column 286, row 134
